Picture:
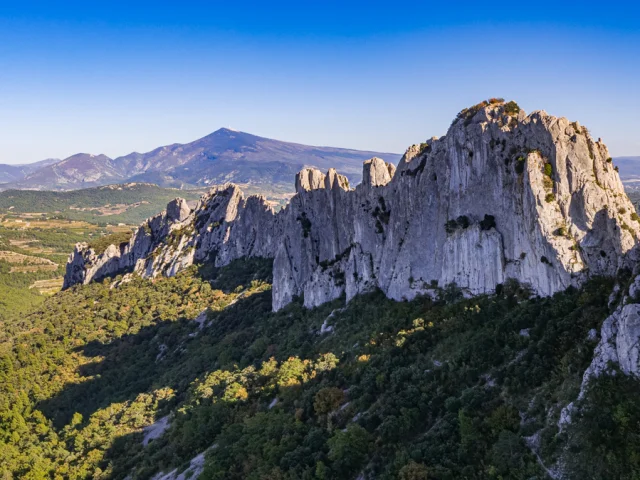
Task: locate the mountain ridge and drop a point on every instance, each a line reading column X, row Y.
column 199, row 359
column 214, row 158
column 16, row 172
column 502, row 195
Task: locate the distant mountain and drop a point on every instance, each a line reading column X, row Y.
column 223, row 156
column 82, row 170
column 13, row 173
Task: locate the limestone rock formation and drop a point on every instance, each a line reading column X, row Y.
column 619, row 343
column 501, row 195
column 178, row 210
column 618, row 348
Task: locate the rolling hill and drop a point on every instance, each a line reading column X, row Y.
column 128, row 203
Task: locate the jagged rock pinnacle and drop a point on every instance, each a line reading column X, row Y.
column 503, row 194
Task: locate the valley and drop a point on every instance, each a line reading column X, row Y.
column 33, row 253
column 445, row 387
column 285, row 338
column 39, row 229
column 311, row 241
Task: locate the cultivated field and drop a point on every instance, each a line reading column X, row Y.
column 34, row 248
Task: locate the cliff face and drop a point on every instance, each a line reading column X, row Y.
column 501, row 195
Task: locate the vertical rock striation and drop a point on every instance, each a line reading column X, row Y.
column 502, row 195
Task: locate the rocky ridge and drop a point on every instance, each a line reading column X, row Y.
column 502, row 195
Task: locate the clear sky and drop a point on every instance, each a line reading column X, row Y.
column 114, row 77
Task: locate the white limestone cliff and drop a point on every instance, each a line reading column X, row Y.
column 502, row 195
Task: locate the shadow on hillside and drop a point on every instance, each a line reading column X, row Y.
column 165, row 354
column 189, row 437
column 240, row 272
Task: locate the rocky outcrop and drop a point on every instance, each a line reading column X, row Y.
column 502, row 195
column 619, row 345
column 86, row 265
column 178, row 210
column 377, row 172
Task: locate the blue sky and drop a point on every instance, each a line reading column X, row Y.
column 115, row 77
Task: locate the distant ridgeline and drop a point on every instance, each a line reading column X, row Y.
column 225, row 155
column 502, row 195
column 130, row 203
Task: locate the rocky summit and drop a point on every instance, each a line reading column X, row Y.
column 502, row 195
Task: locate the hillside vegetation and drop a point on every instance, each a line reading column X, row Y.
column 33, row 255
column 129, row 203
column 441, row 389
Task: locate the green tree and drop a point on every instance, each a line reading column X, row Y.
column 413, row 471
column 327, row 400
column 348, row 449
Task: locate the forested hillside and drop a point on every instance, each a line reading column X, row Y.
column 443, row 388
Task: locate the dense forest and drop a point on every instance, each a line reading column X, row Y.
column 130, row 377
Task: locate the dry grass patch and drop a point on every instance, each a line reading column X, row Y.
column 13, row 257
column 48, row 287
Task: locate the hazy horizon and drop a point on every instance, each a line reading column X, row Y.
column 119, row 78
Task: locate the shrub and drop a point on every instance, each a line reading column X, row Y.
column 511, row 108
column 622, row 210
column 348, row 449
column 488, row 222
column 463, row 221
column 550, row 197
column 451, row 293
column 451, row 226
column 306, row 224
column 634, row 217
column 609, row 160
column 413, row 471
column 327, row 400
column 548, row 170
column 513, row 288
column 120, row 239
column 560, row 232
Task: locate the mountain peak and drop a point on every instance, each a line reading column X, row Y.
column 228, row 133
column 502, row 196
column 221, row 156
column 85, row 156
